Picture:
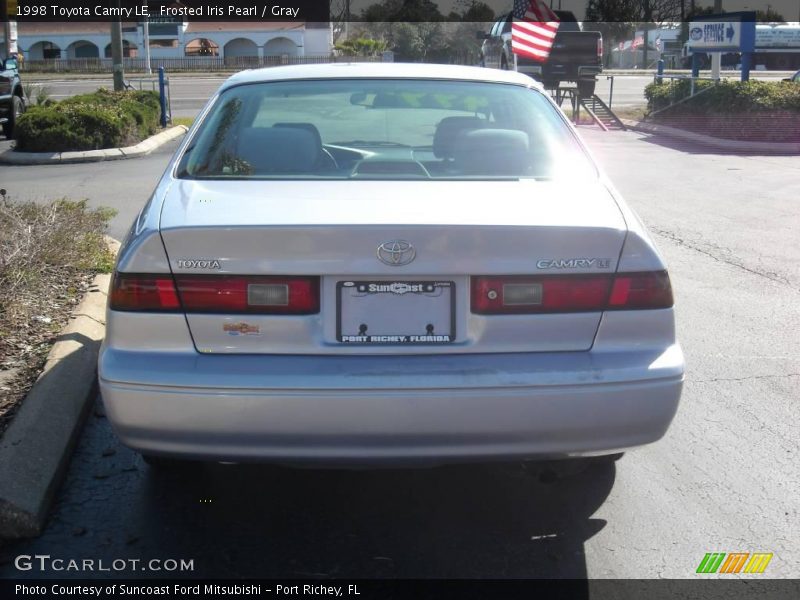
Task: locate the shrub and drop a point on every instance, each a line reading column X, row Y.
column 726, row 97
column 751, row 110
column 36, row 238
column 103, row 119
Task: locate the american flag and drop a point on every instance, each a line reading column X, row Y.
column 533, row 29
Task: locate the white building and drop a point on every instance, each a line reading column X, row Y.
column 171, row 38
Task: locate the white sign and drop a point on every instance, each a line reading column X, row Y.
column 778, row 37
column 707, row 35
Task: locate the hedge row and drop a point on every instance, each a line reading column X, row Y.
column 750, row 111
column 726, row 97
column 103, row 119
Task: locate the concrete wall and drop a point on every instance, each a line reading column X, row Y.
column 318, row 41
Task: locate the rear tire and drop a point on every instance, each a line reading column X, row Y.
column 16, row 109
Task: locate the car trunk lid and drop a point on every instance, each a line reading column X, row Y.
column 333, row 230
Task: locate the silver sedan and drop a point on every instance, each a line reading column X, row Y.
column 383, row 264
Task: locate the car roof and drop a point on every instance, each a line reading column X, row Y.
column 379, row 70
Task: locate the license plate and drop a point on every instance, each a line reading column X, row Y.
column 396, row 312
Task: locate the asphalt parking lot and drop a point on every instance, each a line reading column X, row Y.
column 724, row 478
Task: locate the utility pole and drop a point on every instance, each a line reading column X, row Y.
column 648, row 16
column 146, row 32
column 7, row 37
column 716, row 57
column 6, row 16
column 116, row 53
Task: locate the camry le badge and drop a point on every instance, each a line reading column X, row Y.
column 396, row 253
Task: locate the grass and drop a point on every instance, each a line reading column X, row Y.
column 49, row 254
column 187, row 121
column 635, row 113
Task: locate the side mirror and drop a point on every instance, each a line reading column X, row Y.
column 10, row 64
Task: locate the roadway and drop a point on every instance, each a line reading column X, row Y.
column 189, row 93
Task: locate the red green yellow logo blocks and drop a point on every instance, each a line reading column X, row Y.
column 734, row 562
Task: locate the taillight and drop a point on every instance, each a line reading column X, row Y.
column 600, row 47
column 249, row 294
column 131, row 291
column 641, row 290
column 570, row 293
column 215, row 294
column 520, row 294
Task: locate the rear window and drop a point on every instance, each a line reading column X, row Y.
column 383, row 129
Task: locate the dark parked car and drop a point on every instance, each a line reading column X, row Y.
column 576, row 55
column 12, row 103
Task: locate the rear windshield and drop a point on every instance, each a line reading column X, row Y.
column 383, row 129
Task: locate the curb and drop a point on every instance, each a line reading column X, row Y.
column 703, row 72
column 12, row 157
column 36, row 448
column 714, row 142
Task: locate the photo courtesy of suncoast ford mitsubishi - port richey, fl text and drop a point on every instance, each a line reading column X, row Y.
column 399, row 299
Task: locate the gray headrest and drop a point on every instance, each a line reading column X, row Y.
column 492, row 152
column 448, row 130
column 310, row 127
column 279, row 149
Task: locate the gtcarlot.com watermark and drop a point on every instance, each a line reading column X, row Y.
column 44, row 563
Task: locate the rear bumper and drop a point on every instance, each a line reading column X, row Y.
column 389, row 409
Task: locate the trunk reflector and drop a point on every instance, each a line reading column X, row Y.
column 268, row 294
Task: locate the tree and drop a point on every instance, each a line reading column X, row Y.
column 612, row 19
column 769, row 16
column 636, row 13
column 408, row 11
column 430, row 39
column 361, row 46
column 473, row 11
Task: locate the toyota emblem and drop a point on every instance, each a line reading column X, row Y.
column 396, row 253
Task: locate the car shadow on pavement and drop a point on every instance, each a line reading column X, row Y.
column 465, row 521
